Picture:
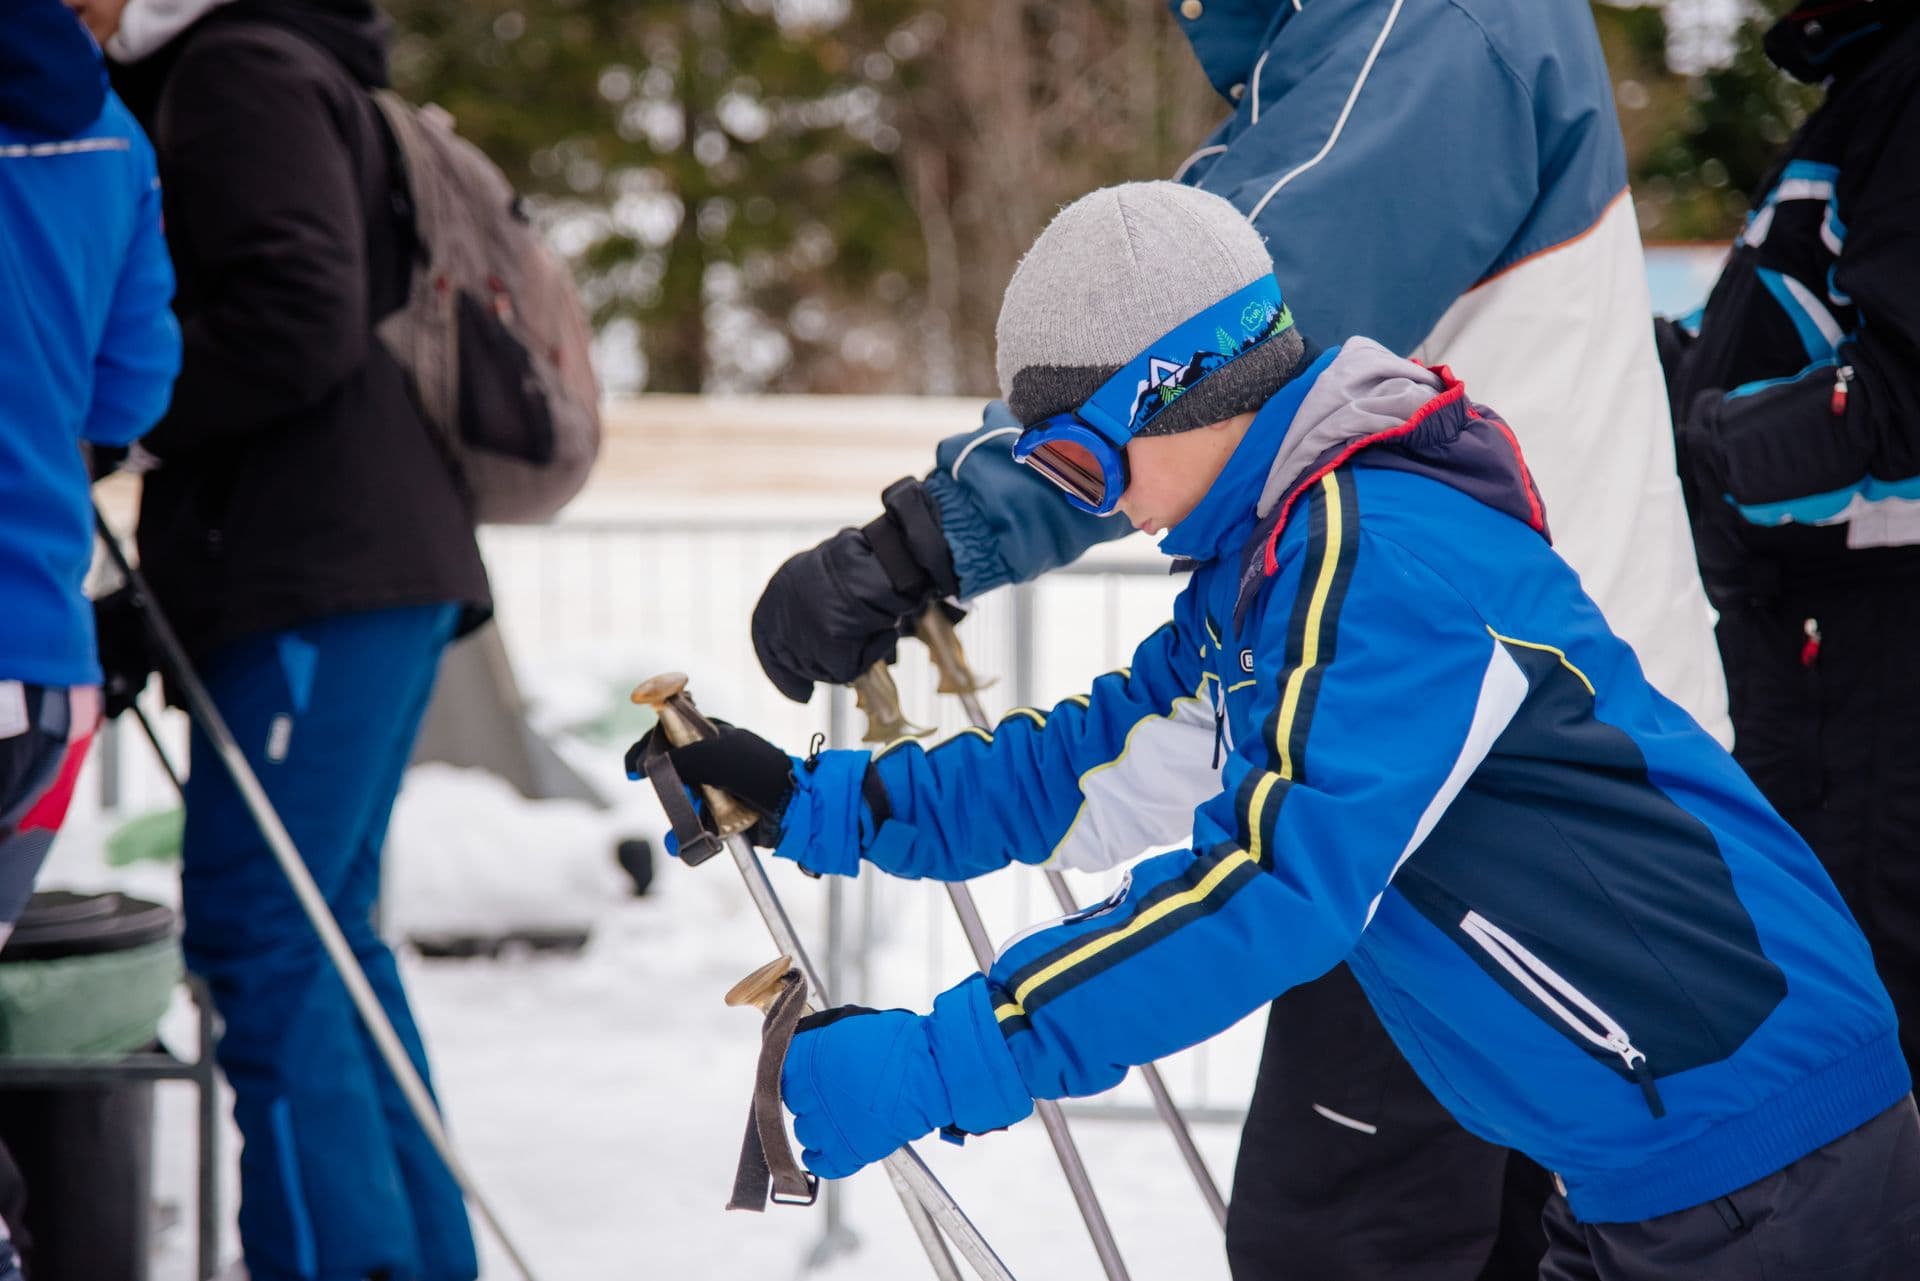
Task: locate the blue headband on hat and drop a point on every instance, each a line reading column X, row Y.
column 1179, row 360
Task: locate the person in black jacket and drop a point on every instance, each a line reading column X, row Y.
column 308, row 540
column 1797, row 411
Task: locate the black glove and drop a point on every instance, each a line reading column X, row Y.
column 1698, row 452
column 739, row 763
column 127, row 656
column 834, row 610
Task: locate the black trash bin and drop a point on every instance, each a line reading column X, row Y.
column 84, row 976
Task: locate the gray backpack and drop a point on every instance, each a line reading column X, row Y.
column 492, row 331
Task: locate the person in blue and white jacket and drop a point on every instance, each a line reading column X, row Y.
column 1393, row 731
column 1448, row 178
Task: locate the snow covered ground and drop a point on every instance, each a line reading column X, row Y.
column 599, row 1097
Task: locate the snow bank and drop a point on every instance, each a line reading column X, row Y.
column 468, row 855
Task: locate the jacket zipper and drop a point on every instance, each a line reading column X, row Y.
column 1553, row 991
column 1219, row 704
column 1087, row 913
column 1837, row 402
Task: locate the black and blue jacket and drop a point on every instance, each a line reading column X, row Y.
column 1390, row 730
column 1798, row 402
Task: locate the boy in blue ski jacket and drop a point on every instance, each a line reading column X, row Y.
column 1397, row 734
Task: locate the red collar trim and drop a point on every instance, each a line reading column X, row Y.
column 1453, row 391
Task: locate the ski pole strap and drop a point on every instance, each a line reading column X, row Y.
column 697, row 844
column 766, row 1157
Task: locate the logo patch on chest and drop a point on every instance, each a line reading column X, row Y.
column 1246, row 660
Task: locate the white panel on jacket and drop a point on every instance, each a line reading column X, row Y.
column 1561, row 345
column 1145, row 798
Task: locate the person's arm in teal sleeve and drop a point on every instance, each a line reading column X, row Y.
column 1004, row 523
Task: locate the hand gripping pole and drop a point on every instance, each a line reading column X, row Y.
column 200, row 705
column 935, row 630
column 876, row 689
column 930, row 1207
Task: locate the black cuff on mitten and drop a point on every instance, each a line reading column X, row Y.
column 908, row 541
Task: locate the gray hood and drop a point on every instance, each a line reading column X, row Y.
column 1364, row 391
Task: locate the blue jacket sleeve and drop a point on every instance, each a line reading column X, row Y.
column 1003, row 522
column 1064, row 783
column 1380, row 692
column 139, row 352
column 1340, row 154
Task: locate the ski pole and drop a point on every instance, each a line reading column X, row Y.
column 935, row 630
column 160, row 752
column 200, row 706
column 682, row 723
column 878, row 693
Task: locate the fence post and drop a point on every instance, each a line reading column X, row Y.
column 1022, row 612
column 836, row 1239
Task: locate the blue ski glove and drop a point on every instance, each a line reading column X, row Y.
column 862, row 1083
column 838, row 813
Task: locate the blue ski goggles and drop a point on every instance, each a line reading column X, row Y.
column 1084, row 451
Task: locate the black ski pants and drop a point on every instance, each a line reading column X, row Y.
column 1350, row 1170
column 1849, row 1211
column 1824, row 682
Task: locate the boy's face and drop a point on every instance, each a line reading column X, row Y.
column 101, row 17
column 1169, row 475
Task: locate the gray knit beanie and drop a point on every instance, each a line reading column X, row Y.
column 1114, row 271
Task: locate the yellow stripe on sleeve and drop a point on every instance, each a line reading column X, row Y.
column 1310, row 651
column 1555, row 650
column 1159, row 911
column 1260, row 790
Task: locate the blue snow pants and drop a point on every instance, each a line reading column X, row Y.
column 337, row 1179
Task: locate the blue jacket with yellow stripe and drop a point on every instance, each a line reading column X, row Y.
column 1391, row 730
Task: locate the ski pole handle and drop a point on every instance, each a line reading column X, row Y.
column 682, row 723
column 935, row 630
column 768, row 1170
column 875, row 694
column 760, row 988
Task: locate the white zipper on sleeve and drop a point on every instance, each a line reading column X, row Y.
column 1087, row 913
column 1552, row 990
